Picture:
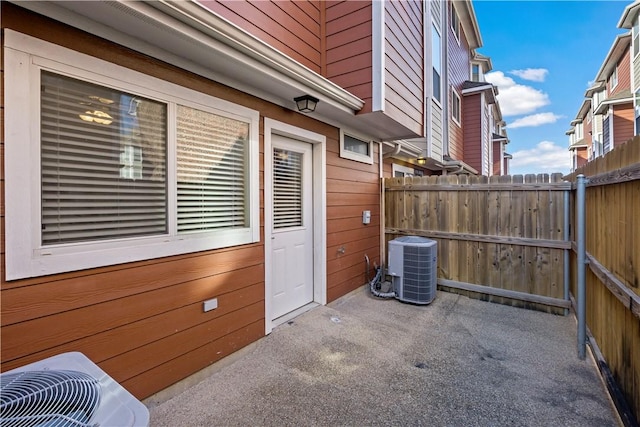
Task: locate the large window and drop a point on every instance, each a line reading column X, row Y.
column 115, row 166
column 436, row 61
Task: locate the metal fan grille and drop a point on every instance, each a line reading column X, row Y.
column 48, row 399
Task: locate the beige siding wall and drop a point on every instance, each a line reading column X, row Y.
column 636, row 74
column 404, row 68
column 436, row 137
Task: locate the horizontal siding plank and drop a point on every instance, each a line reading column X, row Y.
column 299, row 43
column 344, row 174
column 345, row 224
column 346, row 199
column 336, row 239
column 346, row 23
column 346, row 51
column 160, row 377
column 141, row 359
column 349, row 211
column 357, row 32
column 46, row 332
column 21, row 304
column 346, row 66
column 112, row 342
column 338, row 186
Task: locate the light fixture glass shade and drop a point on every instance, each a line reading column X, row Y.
column 421, row 160
column 306, row 103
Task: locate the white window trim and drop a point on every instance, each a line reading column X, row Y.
column 614, row 78
column 347, row 154
column 458, row 30
column 25, row 57
column 400, row 168
column 319, row 142
column 458, row 121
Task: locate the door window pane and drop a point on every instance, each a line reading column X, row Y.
column 287, row 188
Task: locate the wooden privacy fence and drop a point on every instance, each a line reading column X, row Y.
column 500, row 238
column 612, row 226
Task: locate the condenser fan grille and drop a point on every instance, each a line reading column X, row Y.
column 57, row 398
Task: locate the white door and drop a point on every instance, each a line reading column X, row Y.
column 292, row 225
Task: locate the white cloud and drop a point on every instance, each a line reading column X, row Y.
column 534, row 120
column 532, row 74
column 515, row 98
column 545, row 157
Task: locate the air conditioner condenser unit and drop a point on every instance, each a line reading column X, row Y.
column 413, row 265
column 67, row 390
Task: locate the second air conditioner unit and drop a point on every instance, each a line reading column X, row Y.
column 413, row 268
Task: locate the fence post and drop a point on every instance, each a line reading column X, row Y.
column 566, row 237
column 580, row 244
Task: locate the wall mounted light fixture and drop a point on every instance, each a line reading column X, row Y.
column 306, row 103
column 422, row 160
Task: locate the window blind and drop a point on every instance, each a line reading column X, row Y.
column 103, row 162
column 287, row 188
column 212, row 171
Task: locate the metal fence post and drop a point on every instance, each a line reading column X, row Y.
column 566, row 237
column 580, row 243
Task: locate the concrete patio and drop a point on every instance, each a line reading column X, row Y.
column 364, row 361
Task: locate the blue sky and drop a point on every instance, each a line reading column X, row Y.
column 544, row 56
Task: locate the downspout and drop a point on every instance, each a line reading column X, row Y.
column 395, row 152
column 445, row 75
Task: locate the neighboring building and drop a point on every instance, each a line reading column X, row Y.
column 580, row 136
column 630, row 19
column 616, row 106
column 155, row 159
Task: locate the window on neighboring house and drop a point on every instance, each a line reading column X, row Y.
column 614, row 77
column 130, row 167
column 400, row 171
column 455, row 106
column 354, row 148
column 475, row 72
column 455, row 23
column 636, row 36
column 578, row 132
column 436, row 63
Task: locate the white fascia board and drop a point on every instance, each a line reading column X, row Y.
column 187, row 35
column 629, row 15
column 477, row 89
column 617, row 48
column 604, row 105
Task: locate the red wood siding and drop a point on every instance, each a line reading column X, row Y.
column 142, row 322
column 472, row 117
column 352, row 187
column 623, row 117
column 404, row 68
column 624, row 74
column 349, row 47
column 293, row 27
column 583, row 156
column 497, row 157
column 458, row 58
